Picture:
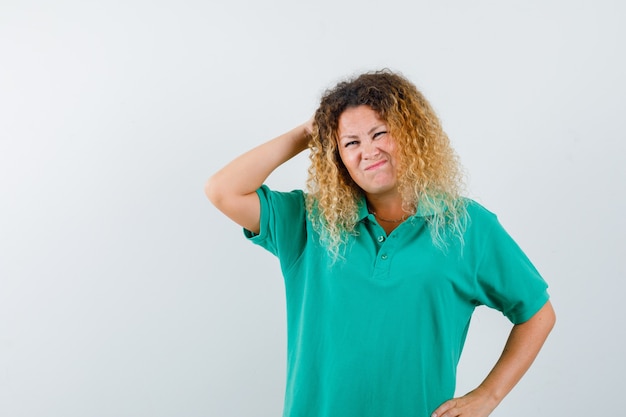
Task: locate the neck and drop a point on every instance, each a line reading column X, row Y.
column 383, row 219
column 390, row 212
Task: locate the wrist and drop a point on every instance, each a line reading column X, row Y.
column 301, row 137
column 491, row 394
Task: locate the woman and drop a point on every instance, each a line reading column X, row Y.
column 384, row 261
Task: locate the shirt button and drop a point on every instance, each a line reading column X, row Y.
column 383, row 256
column 381, row 239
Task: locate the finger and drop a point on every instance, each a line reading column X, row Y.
column 444, row 408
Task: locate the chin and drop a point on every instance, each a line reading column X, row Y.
column 382, row 189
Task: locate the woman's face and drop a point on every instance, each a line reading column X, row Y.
column 367, row 150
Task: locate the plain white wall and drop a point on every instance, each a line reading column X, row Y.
column 124, row 293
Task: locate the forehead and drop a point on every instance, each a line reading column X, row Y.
column 357, row 119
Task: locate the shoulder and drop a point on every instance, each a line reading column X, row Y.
column 485, row 231
column 282, row 228
column 481, row 223
column 281, row 198
column 476, row 212
column 266, row 190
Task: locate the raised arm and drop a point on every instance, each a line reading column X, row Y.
column 523, row 345
column 233, row 188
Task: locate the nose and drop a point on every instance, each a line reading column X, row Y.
column 370, row 149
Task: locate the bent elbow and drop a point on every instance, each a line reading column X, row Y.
column 547, row 317
column 552, row 317
column 212, row 191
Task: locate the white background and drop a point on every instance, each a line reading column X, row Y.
column 124, row 293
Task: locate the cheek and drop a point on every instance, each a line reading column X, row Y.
column 344, row 157
column 392, row 150
column 350, row 161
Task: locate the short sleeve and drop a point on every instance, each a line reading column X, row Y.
column 505, row 278
column 282, row 224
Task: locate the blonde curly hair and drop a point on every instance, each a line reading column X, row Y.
column 429, row 172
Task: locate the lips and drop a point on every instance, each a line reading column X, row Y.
column 376, row 165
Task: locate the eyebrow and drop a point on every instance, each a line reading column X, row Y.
column 369, row 133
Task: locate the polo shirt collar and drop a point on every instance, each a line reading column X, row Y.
column 364, row 212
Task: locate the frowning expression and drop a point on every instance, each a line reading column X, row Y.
column 367, row 150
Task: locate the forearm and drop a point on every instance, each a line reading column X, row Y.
column 232, row 189
column 521, row 349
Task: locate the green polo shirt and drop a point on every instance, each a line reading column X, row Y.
column 380, row 333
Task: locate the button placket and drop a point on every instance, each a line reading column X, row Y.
column 386, row 249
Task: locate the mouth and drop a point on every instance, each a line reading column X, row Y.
column 376, row 165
